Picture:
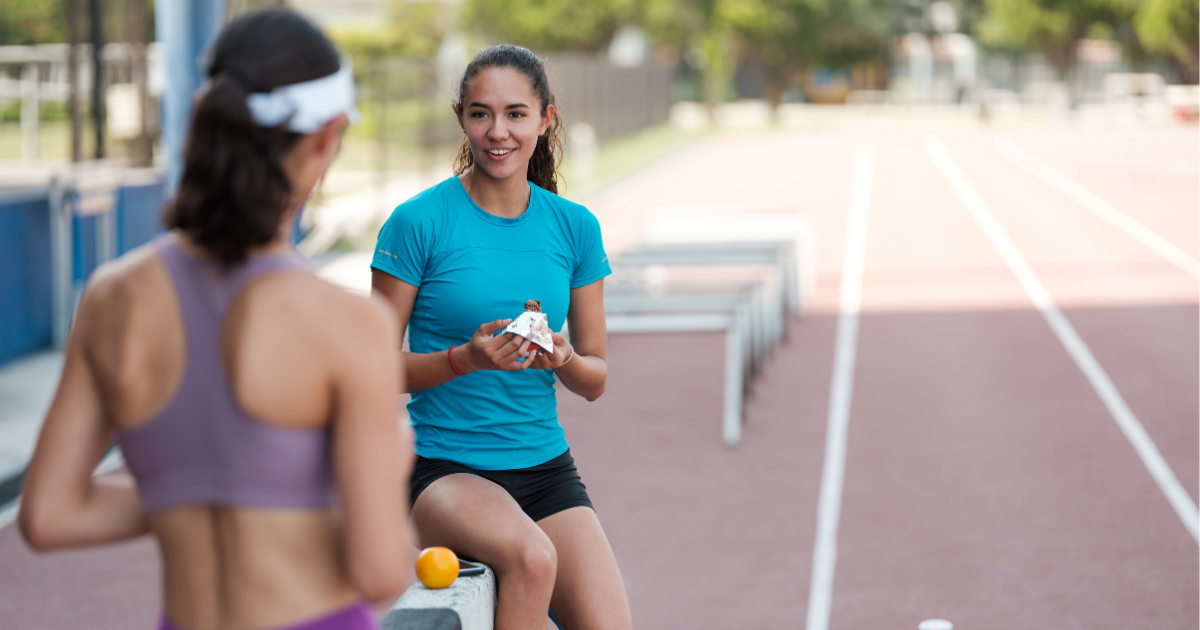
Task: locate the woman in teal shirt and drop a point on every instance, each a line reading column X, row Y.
column 494, row 478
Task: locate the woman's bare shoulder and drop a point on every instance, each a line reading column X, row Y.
column 132, row 277
column 327, row 309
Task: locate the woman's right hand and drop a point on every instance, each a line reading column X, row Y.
column 499, row 352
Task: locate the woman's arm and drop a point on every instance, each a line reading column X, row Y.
column 482, row 352
column 372, row 452
column 63, row 504
column 586, row 372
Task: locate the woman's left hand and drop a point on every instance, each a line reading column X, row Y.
column 552, row 361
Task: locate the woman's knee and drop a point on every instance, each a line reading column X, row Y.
column 533, row 560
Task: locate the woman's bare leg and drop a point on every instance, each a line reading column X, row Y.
column 588, row 592
column 478, row 519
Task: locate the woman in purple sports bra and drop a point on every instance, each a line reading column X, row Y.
column 254, row 403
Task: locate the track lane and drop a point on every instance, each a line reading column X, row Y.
column 708, row 537
column 1148, row 172
column 986, row 483
column 107, row 588
column 1137, row 314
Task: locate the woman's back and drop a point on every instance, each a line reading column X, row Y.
column 254, row 403
column 230, row 565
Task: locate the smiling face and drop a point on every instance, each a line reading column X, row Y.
column 502, row 117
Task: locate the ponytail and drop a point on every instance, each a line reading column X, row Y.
column 234, row 191
column 547, row 155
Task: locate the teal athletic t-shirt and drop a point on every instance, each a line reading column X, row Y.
column 472, row 267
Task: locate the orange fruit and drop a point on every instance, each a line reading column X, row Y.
column 437, row 567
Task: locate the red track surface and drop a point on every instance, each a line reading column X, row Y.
column 985, row 481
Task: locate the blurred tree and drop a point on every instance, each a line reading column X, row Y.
column 1051, row 27
column 25, row 22
column 237, row 7
column 703, row 30
column 550, row 25
column 414, row 29
column 784, row 34
column 915, row 16
column 1171, row 28
column 853, row 32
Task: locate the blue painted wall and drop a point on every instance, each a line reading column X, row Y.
column 26, row 301
column 26, row 285
column 139, row 215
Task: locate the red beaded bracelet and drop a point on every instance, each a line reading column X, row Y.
column 451, row 357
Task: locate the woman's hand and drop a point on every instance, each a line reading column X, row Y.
column 499, row 352
column 553, row 360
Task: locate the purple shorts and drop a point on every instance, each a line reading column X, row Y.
column 356, row 617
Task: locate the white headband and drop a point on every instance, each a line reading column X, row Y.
column 308, row 105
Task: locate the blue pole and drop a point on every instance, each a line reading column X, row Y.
column 185, row 28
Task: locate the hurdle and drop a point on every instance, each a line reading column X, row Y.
column 782, row 294
column 731, row 323
column 744, row 300
column 780, row 255
column 752, row 315
column 705, row 224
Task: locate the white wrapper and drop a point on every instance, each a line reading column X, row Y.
column 533, row 326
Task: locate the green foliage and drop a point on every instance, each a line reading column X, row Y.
column 10, row 112
column 786, row 35
column 549, row 25
column 782, row 32
column 683, row 23
column 1051, row 27
column 415, row 29
column 706, row 27
column 1170, row 27
column 49, row 111
column 1101, row 31
column 25, row 22
column 852, row 32
column 1016, row 24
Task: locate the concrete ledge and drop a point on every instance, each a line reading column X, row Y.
column 468, row 604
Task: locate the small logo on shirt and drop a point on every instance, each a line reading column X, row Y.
column 381, row 251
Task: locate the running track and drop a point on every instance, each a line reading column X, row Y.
column 985, row 481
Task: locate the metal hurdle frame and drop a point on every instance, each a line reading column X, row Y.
column 779, row 254
column 784, row 296
column 731, row 323
column 752, row 318
column 745, row 299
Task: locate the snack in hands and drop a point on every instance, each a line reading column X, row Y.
column 533, row 326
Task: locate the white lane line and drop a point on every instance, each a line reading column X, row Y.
column 829, row 506
column 112, row 461
column 1098, row 206
column 1180, row 500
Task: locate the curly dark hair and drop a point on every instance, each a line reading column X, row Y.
column 234, row 191
column 547, row 155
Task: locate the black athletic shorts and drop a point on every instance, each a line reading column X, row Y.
column 541, row 490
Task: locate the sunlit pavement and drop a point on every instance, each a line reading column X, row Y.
column 26, row 386
column 985, row 480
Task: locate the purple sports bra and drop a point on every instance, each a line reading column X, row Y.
column 202, row 448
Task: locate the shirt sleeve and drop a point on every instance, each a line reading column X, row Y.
column 592, row 263
column 404, row 245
